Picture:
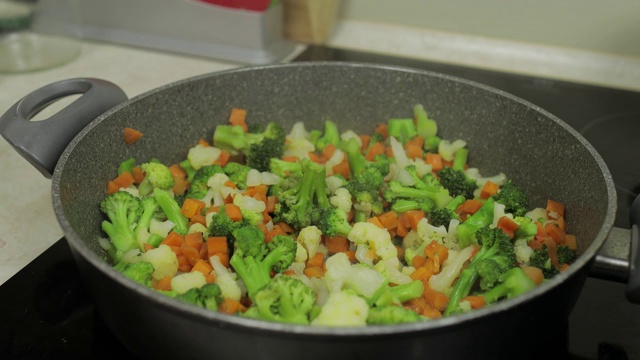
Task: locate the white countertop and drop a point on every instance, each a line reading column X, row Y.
column 29, row 226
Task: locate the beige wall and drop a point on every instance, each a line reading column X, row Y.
column 609, row 26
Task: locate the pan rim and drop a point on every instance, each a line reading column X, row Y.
column 228, row 321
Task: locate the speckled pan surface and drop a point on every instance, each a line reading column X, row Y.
column 503, row 133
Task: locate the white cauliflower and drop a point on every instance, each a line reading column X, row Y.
column 366, row 233
column 310, row 237
column 201, row 155
column 350, row 134
column 451, row 269
column 474, row 173
column 448, row 149
column 523, row 251
column 429, row 232
column 164, row 261
column 255, row 178
column 343, row 309
column 226, row 280
column 341, row 199
column 187, row 281
column 342, row 275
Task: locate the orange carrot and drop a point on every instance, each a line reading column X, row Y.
column 233, row 212
column 475, row 301
column 289, row 158
column 402, row 230
column 224, row 258
column 364, row 139
column 342, row 168
column 507, row 225
column 534, row 274
column 435, row 249
column 272, row 200
column 431, row 313
column 336, row 244
column 421, row 273
column 435, row 299
column 177, row 171
column 285, row 227
column 554, row 207
column 138, row 175
column 223, row 158
column 316, row 158
column 376, row 149
column 277, row 230
column 413, row 217
column 552, row 251
column 192, row 207
column 216, row 245
column 389, row 220
column 163, row 284
column 418, row 261
column 413, row 152
column 238, row 117
column 192, row 254
column 112, row 187
column 313, row 271
column 124, row 180
column 488, row 189
column 416, row 141
column 194, row 240
column 173, row 239
column 316, row 260
column 231, row 307
column 130, row 135
column 180, row 185
column 561, row 222
column 328, row 151
column 469, row 207
column 198, row 218
column 570, row 241
column 382, row 130
column 417, row 305
column 203, row 142
column 202, row 266
column 557, row 234
column 374, row 220
column 435, row 160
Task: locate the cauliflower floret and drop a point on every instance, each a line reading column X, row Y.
column 164, row 261
column 523, row 251
column 366, row 233
column 474, row 173
column 399, row 153
column 341, row 275
column 249, row 203
column 450, row 270
column 391, row 269
column 187, row 281
column 310, row 237
column 537, row 214
column 429, row 232
column 335, row 159
column 218, row 191
column 200, row 156
column 343, row 309
column 334, row 183
column 448, row 149
column 342, row 199
column 161, row 228
column 226, row 280
column 255, row 178
column 301, row 253
column 350, row 134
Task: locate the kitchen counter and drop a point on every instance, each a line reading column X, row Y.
column 29, row 226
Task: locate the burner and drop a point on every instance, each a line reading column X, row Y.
column 617, row 138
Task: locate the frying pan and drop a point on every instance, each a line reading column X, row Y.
column 81, row 147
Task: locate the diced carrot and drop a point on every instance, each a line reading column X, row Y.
column 316, row 260
column 199, row 219
column 204, row 252
column 413, row 152
column 364, row 139
column 112, row 187
column 124, row 180
column 277, row 230
column 351, row 254
column 507, row 225
column 418, row 261
column 554, row 207
column 557, row 234
column 177, row 171
column 180, row 185
column 563, row 267
column 562, row 223
column 382, row 130
column 374, row 220
column 413, row 217
column 435, row 249
column 191, row 207
column 202, row 266
column 376, row 149
column 146, row 247
column 399, row 251
column 289, row 158
column 314, row 271
column 289, row 272
column 184, row 264
column 212, row 209
column 534, row 274
column 223, row 158
column 203, row 142
column 231, row 306
column 336, row 244
column 435, row 299
column 475, row 301
column 421, row 273
column 130, row 135
column 233, row 212
column 194, row 240
column 238, row 117
column 328, row 151
column 192, row 254
column 316, row 158
column 402, row 230
column 138, row 175
column 342, row 168
column 210, row 277
column 416, row 141
column 571, row 242
column 435, row 160
column 431, row 313
column 389, row 152
column 217, row 245
column 418, row 305
column 272, row 200
column 469, row 207
column 488, row 189
column 552, row 251
column 173, row 239
column 224, row 258
column 163, row 284
column 389, row 220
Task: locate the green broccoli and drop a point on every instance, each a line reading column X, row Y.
column 382, row 163
column 253, row 260
column 140, row 272
column 222, row 225
column 431, row 144
column 565, row 254
column 495, row 257
column 391, row 314
column 481, row 218
column 284, row 168
column 540, row 259
column 208, row 296
column 127, row 166
column 513, row 198
column 425, row 126
column 330, row 136
column 198, row 187
column 186, row 166
column 284, row 299
column 258, row 148
column 526, row 228
column 457, row 182
column 331, row 221
column 148, row 210
column 357, row 161
column 157, row 176
column 403, row 205
column 172, row 211
column 396, row 295
column 237, row 173
column 512, row 283
column 122, row 210
column 430, row 184
column 364, row 187
column 396, row 191
column 443, row 216
column 402, row 129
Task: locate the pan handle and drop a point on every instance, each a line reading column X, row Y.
column 42, row 142
column 633, row 285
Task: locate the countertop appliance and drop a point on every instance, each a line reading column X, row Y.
column 46, row 313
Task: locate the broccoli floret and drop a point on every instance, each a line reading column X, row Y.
column 364, row 187
column 330, row 136
column 284, row 299
column 443, row 216
column 495, row 257
column 395, row 191
column 207, row 296
column 157, row 176
column 357, row 161
column 127, row 166
column 402, row 205
column 431, row 144
column 540, row 259
column 122, row 210
column 402, row 129
column 186, row 166
column 171, row 209
column 513, row 198
column 255, row 270
column 457, row 182
column 382, row 163
column 526, row 228
column 391, row 314
column 513, row 282
column 258, row 148
column 331, row 221
column 222, row 225
column 285, row 168
column 148, row 209
column 140, row 272
column 396, row 295
column 296, row 205
column 237, row 173
column 481, row 218
column 425, row 126
column 198, row 187
column 430, row 184
column 566, row 255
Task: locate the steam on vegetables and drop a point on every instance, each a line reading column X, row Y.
column 329, row 227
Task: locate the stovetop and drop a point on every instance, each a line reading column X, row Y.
column 46, row 313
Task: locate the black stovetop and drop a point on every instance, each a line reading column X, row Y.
column 46, row 313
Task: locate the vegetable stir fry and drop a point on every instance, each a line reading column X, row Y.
column 329, row 227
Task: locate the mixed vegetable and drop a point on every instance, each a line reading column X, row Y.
column 331, row 228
